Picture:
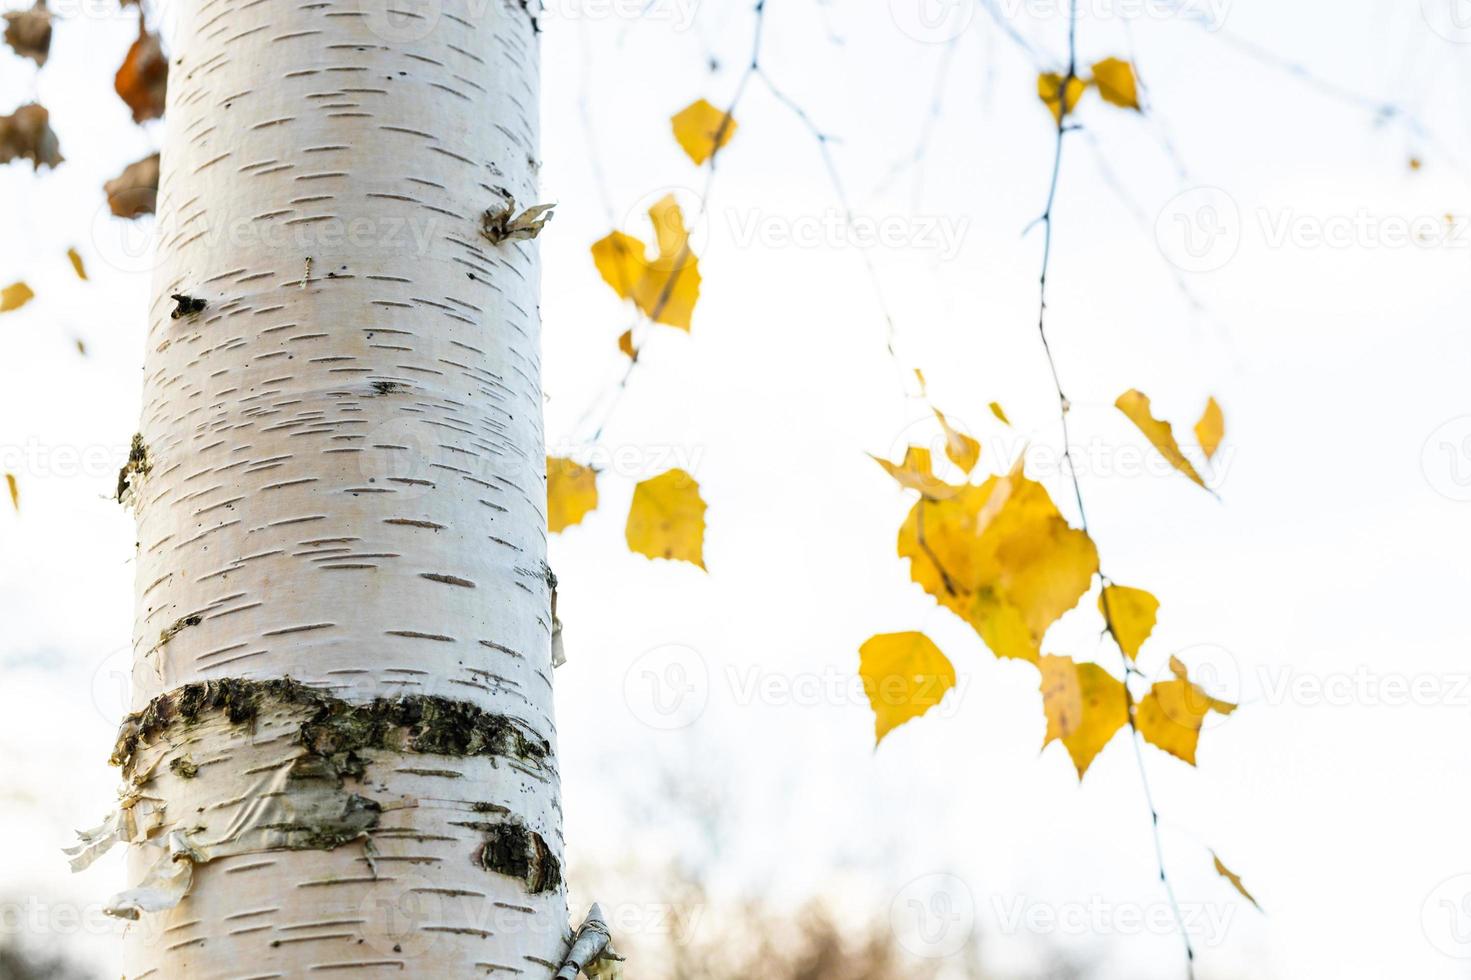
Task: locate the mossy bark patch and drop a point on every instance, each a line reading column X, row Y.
column 134, row 469
column 512, row 848
column 335, row 729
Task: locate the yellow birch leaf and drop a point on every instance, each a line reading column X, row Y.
column 923, row 390
column 1001, row 557
column 1130, row 613
column 702, row 129
column 1049, row 87
column 1116, row 83
column 1085, row 707
column 1171, row 714
column 14, row 296
column 667, row 518
column 1211, row 428
column 997, row 411
column 75, row 258
column 572, row 491
column 665, row 288
column 963, row 451
column 916, row 473
column 1234, row 879
column 14, row 486
column 904, row 675
column 625, row 344
column 620, row 261
column 1135, row 404
column 1062, row 701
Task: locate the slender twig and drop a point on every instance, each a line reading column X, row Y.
column 683, row 257
column 1046, row 221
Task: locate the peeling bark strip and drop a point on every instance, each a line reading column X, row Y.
column 345, row 484
column 333, row 728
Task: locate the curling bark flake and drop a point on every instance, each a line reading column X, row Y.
column 343, row 740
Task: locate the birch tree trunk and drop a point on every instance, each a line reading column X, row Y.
column 342, row 678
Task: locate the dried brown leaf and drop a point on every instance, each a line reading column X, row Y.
column 134, row 192
column 28, row 32
column 26, row 134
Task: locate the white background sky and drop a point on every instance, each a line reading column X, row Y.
column 1337, row 553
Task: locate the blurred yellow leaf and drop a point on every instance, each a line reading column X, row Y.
column 14, row 296
column 1116, row 83
column 1135, row 404
column 963, row 451
column 1085, row 706
column 665, row 288
column 1234, row 879
column 14, row 486
column 1171, row 714
column 997, row 411
column 702, row 129
column 625, row 344
column 904, row 675
column 1210, row 429
column 1001, row 557
column 915, row 473
column 572, row 491
column 667, row 518
column 75, row 258
column 1130, row 613
column 1049, row 87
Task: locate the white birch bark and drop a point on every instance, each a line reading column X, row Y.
column 340, row 481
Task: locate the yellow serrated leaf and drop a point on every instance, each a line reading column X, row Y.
column 572, row 492
column 702, row 129
column 14, row 296
column 14, row 486
column 1085, row 707
column 75, row 258
column 916, row 473
column 1171, row 714
column 664, row 288
column 1049, row 87
column 1234, row 879
column 1211, row 428
column 1001, row 557
column 904, row 675
column 1131, row 615
column 1116, row 83
column 667, row 518
column 963, row 451
column 1135, row 404
column 997, row 411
